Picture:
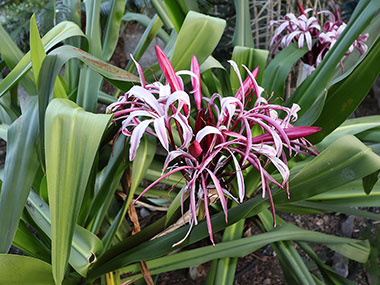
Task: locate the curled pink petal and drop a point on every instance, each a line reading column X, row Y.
column 196, row 83
column 160, row 129
column 136, row 137
column 256, row 86
column 173, row 155
column 219, row 190
column 146, row 96
column 179, row 96
column 140, row 71
column 239, row 177
column 208, row 130
column 191, row 188
column 162, row 178
column 207, row 213
column 236, row 69
column 187, row 132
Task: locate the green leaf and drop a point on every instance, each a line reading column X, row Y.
column 329, row 275
column 149, row 34
column 351, row 127
column 251, row 58
column 237, row 248
column 177, row 12
column 314, row 111
column 198, row 36
column 209, row 63
column 336, row 166
column 107, row 183
column 155, row 170
column 353, row 60
column 226, row 267
column 3, row 131
column 312, row 87
column 38, row 54
column 59, row 33
column 93, row 27
column 348, row 195
column 72, row 137
column 11, row 54
column 21, row 164
column 72, row 68
column 243, row 31
column 18, row 269
column 9, row 51
column 140, row 165
column 89, row 193
column 163, row 13
column 341, row 208
column 356, row 251
column 145, row 21
column 30, row 244
column 369, row 181
column 105, row 98
column 346, row 160
column 9, row 110
column 115, row 75
column 90, row 81
column 53, row 64
column 74, row 8
column 278, row 69
column 211, row 84
column 174, row 206
column 158, row 194
column 370, row 136
column 345, row 96
column 112, row 29
column 88, row 89
column 36, row 47
column 85, row 245
column 287, row 254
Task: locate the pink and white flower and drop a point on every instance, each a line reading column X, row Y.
column 219, row 144
column 297, row 29
column 308, row 28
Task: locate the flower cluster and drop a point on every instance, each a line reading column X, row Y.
column 306, row 28
column 223, row 139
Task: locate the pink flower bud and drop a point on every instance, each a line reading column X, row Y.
column 167, row 69
column 195, row 149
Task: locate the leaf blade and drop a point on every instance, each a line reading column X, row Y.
column 72, row 137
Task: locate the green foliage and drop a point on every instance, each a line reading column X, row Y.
column 27, row 270
column 67, row 183
column 14, row 17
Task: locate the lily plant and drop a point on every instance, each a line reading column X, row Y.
column 224, row 139
column 319, row 37
column 66, row 197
